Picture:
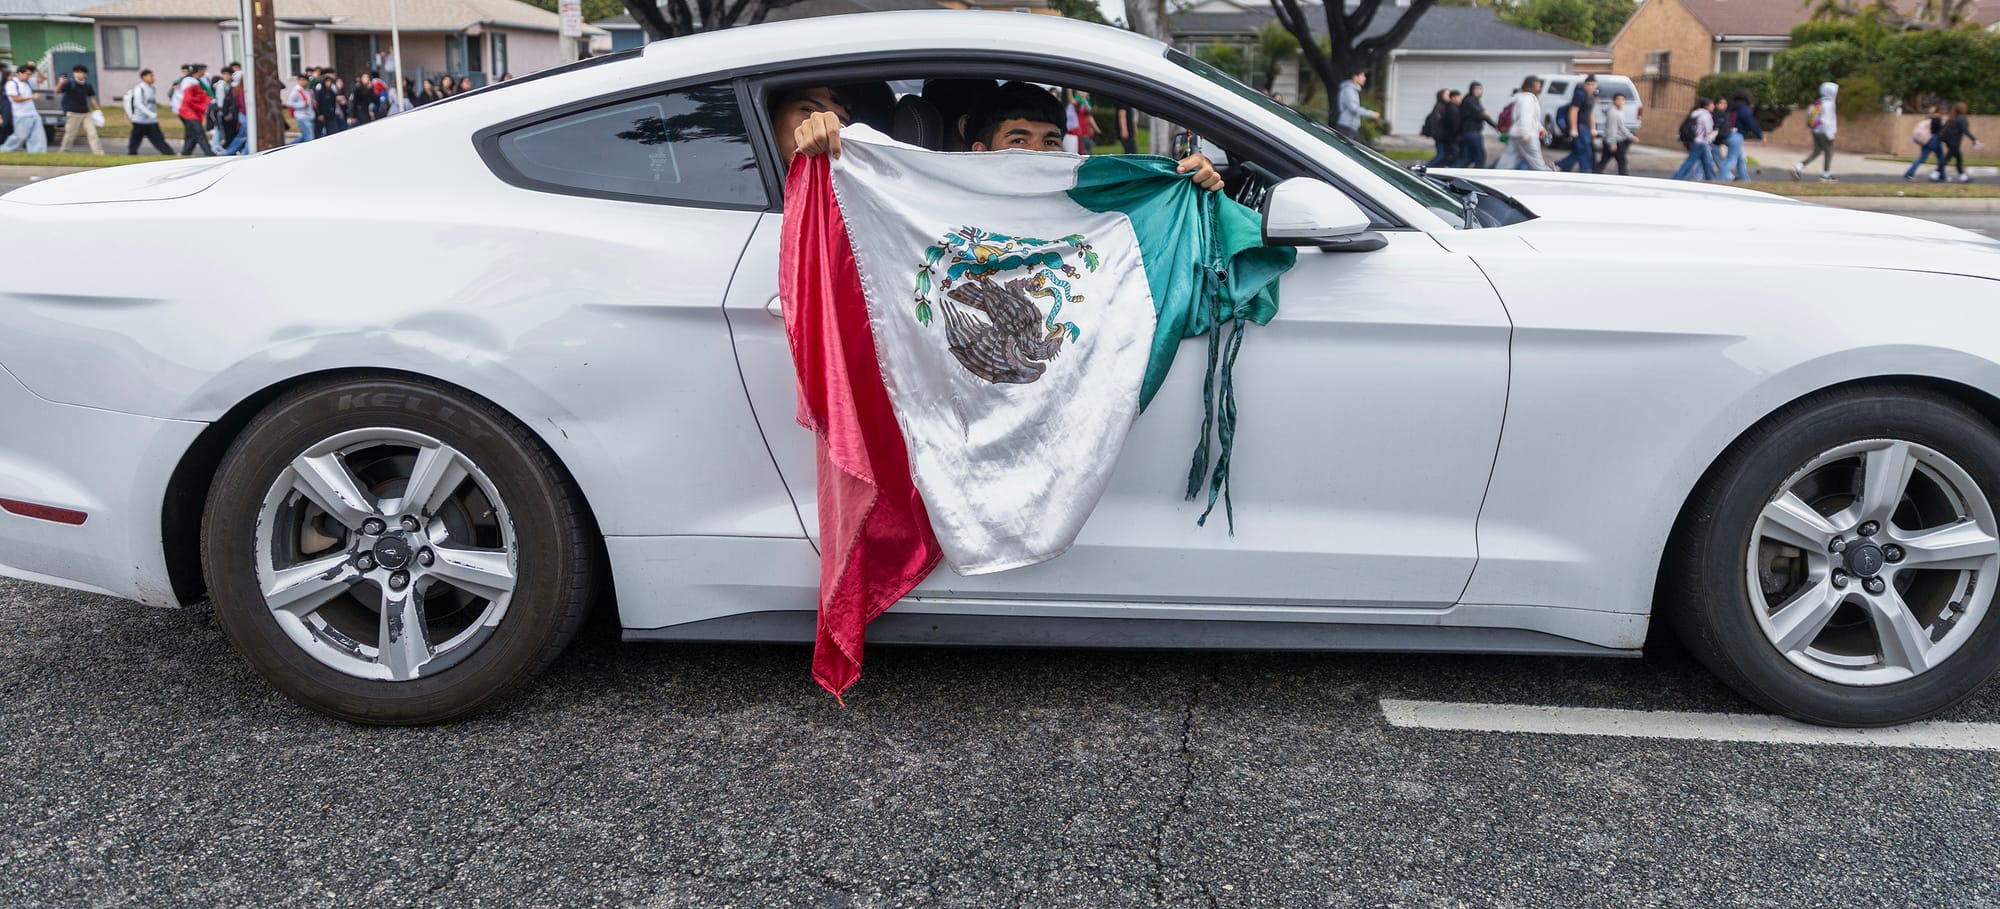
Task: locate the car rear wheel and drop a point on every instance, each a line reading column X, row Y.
column 395, row 550
column 1838, row 565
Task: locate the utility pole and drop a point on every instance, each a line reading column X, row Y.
column 261, row 83
column 395, row 56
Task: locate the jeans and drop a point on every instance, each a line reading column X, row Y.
column 1471, row 150
column 1441, row 153
column 149, row 132
column 1735, row 166
column 1701, row 154
column 28, row 135
column 237, row 145
column 1579, row 154
column 305, row 129
column 1926, row 150
column 1522, row 154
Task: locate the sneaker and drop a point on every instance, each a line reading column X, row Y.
column 1909, row 178
column 1962, row 178
column 1798, row 171
column 1937, row 178
column 1828, row 178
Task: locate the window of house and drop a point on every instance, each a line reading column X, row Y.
column 1658, row 64
column 6, row 36
column 1758, row 61
column 295, row 54
column 454, row 53
column 687, row 146
column 120, row 44
column 475, row 59
column 499, row 53
column 232, row 47
column 1728, row 60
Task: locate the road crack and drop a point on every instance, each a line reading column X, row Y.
column 1178, row 806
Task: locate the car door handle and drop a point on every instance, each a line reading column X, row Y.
column 776, row 308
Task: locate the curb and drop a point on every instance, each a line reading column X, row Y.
column 1905, row 203
column 39, row 172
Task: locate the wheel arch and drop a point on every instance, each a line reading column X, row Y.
column 1983, row 402
column 193, row 476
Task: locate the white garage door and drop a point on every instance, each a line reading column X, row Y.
column 1414, row 81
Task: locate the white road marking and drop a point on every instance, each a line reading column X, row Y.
column 1670, row 724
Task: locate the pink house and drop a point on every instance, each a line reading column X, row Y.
column 478, row 38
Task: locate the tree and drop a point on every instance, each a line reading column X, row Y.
column 1275, row 46
column 1082, row 10
column 1347, row 51
column 1591, row 22
column 686, row 17
column 1926, row 15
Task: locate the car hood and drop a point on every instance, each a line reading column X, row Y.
column 151, row 181
column 1651, row 218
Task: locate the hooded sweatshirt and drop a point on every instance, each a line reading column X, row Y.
column 1828, row 124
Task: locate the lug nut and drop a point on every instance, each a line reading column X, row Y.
column 410, row 523
column 1874, row 585
column 373, row 527
column 1839, row 578
column 426, row 558
column 1838, row 545
column 1892, row 552
column 399, row 580
column 365, row 563
column 1868, row 528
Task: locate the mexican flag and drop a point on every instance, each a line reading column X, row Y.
column 974, row 334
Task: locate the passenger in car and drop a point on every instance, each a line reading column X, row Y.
column 1018, row 115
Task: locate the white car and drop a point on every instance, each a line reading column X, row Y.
column 1558, row 88
column 404, row 402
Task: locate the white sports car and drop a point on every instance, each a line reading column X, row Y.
column 405, row 401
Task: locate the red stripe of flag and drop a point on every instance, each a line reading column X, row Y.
column 876, row 542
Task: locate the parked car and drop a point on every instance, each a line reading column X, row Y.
column 1556, row 92
column 402, row 493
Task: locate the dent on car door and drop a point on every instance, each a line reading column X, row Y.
column 1369, row 413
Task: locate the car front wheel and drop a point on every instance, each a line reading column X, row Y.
column 394, row 550
column 1838, row 565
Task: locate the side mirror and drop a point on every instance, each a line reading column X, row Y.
column 1303, row 211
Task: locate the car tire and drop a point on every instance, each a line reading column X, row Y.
column 1731, row 612
column 509, row 544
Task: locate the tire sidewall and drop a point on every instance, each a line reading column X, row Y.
column 476, row 429
column 1723, row 599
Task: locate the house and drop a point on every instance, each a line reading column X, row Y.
column 46, row 33
column 480, row 39
column 626, row 32
column 1450, row 47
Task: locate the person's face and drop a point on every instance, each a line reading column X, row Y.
column 1033, row 135
column 1478, row 90
column 785, row 119
column 147, row 78
column 1590, row 87
column 1618, row 101
column 1361, row 79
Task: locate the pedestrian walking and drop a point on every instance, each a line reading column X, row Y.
column 1737, row 126
column 1956, row 131
column 361, row 99
column 1472, row 123
column 1128, row 128
column 1348, row 120
column 28, row 133
column 1581, row 113
column 1698, row 136
column 299, row 100
column 194, row 119
column 1616, row 135
column 80, row 109
column 142, row 107
column 1825, row 124
column 1928, row 135
column 1524, row 130
column 326, row 104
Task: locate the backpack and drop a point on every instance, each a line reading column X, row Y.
column 1430, row 130
column 1724, row 126
column 1506, row 118
column 1812, row 117
column 1688, row 131
column 1922, row 134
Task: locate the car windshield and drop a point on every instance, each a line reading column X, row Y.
column 1429, row 194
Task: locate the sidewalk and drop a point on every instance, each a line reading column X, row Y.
column 1773, row 162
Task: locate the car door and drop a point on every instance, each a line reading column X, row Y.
column 1369, row 414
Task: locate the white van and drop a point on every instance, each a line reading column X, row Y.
column 1557, row 88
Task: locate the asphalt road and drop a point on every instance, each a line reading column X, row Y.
column 141, row 763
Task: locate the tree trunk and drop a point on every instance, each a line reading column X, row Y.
column 268, row 87
column 1149, row 18
column 651, row 18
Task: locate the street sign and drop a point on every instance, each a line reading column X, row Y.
column 572, row 18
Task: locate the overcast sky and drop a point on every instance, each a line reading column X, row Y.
column 1114, row 10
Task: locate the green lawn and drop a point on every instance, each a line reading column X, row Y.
column 75, row 159
column 1970, row 160
column 1407, row 154
column 1107, row 144
column 1809, row 190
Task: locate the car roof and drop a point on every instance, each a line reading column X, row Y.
column 907, row 30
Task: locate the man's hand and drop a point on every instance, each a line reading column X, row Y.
column 1203, row 170
column 820, row 134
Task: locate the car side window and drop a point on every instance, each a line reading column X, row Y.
column 684, row 146
column 1558, row 87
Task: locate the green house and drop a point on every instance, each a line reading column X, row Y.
column 46, row 33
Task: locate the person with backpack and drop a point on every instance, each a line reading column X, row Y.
column 142, row 107
column 1928, row 136
column 1738, row 124
column 1825, row 124
column 326, row 105
column 1578, row 115
column 194, row 119
column 1521, row 122
column 1955, row 132
column 1698, row 135
column 1434, row 130
column 1472, row 123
